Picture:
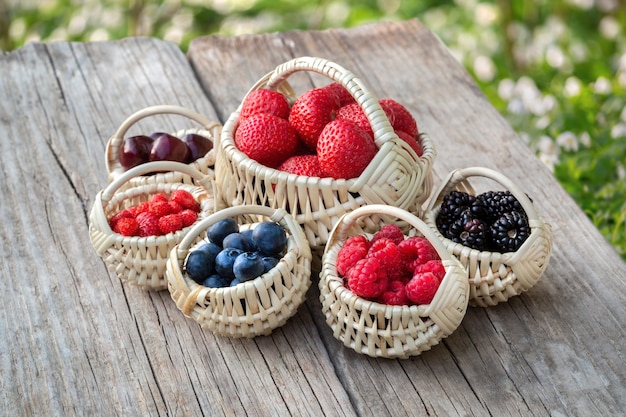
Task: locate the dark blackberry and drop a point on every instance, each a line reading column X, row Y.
column 469, row 231
column 496, row 203
column 452, row 205
column 509, row 232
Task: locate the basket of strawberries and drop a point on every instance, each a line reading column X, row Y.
column 242, row 271
column 390, row 293
column 496, row 234
column 193, row 146
column 323, row 153
column 133, row 227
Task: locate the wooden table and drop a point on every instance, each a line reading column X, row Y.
column 78, row 342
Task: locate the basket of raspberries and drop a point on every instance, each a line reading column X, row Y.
column 390, row 293
column 133, row 227
column 497, row 235
column 192, row 146
column 324, row 152
column 242, row 271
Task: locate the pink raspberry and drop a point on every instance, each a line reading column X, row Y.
column 367, row 278
column 421, row 289
column 435, row 266
column 395, row 294
column 354, row 249
column 389, row 231
column 389, row 256
column 416, row 250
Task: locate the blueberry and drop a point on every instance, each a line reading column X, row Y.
column 247, row 234
column 270, row 237
column 224, row 262
column 210, row 249
column 199, row 265
column 234, row 282
column 236, row 240
column 216, row 281
column 269, row 262
column 219, row 230
column 247, row 266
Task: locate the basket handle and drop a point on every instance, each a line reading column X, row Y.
column 341, row 229
column 383, row 131
column 461, row 175
column 148, row 167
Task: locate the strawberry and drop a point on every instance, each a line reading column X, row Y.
column 170, row 223
column 267, row 139
column 355, row 113
column 160, row 208
column 307, row 165
column 126, row 226
column 311, row 112
column 185, row 199
column 158, row 197
column 148, row 224
column 413, row 143
column 342, row 94
column 124, row 214
column 421, row 289
column 399, row 117
column 189, row 217
column 344, row 149
column 265, row 101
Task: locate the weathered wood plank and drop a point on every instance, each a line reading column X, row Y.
column 77, row 341
column 556, row 350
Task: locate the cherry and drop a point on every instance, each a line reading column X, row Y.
column 135, row 150
column 168, row 148
column 198, row 145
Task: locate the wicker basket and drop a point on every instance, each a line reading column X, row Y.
column 396, row 176
column 252, row 308
column 495, row 277
column 141, row 260
column 205, row 164
column 388, row 331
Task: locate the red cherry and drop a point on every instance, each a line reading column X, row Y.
column 135, row 150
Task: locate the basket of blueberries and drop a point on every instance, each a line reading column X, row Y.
column 242, row 271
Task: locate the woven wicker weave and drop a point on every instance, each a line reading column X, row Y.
column 251, row 308
column 495, row 277
column 141, row 260
column 209, row 129
column 396, row 176
column 388, row 331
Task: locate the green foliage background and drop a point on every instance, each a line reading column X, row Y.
column 555, row 69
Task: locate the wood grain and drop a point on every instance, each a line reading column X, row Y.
column 78, row 342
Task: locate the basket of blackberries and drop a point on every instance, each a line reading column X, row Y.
column 241, row 272
column 497, row 234
column 192, row 145
column 133, row 227
column 392, row 293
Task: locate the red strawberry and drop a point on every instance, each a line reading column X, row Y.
column 126, row 226
column 158, row 197
column 265, row 101
column 185, row 199
column 124, row 214
column 160, row 208
column 344, row 149
column 148, row 224
column 311, row 112
column 399, row 117
column 307, row 165
column 421, row 288
column 175, row 207
column 267, row 139
column 170, row 223
column 342, row 94
column 189, row 217
column 413, row 143
column 355, row 113
column 142, row 207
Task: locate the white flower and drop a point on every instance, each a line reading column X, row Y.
column 547, row 146
column 572, row 87
column 585, row 139
column 542, row 122
column 602, row 86
column 618, row 131
column 486, row 14
column 623, row 114
column 484, row 68
column 516, row 106
column 621, row 171
column 567, row 140
column 549, row 160
column 506, row 89
column 609, row 27
column 555, row 56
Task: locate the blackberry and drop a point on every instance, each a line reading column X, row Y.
column 496, row 203
column 469, row 231
column 510, row 231
column 452, row 206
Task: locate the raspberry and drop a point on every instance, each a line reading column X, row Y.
column 160, row 208
column 189, row 217
column 311, row 112
column 416, row 250
column 354, row 249
column 126, row 226
column 265, row 101
column 399, row 117
column 395, row 294
column 267, row 139
column 434, row 266
column 367, row 278
column 148, row 224
column 185, row 199
column 355, row 113
column 389, row 256
column 307, row 165
column 389, row 231
column 344, row 149
column 421, row 289
column 124, row 214
column 170, row 223
column 158, row 197
column 342, row 94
